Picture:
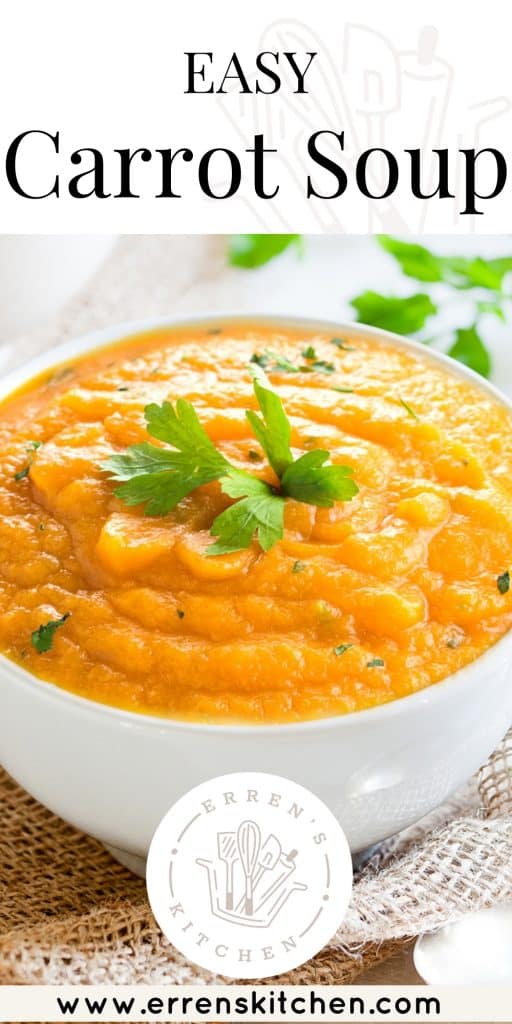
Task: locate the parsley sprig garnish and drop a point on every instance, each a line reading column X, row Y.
column 159, row 478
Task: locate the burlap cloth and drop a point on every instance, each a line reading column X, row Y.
column 70, row 914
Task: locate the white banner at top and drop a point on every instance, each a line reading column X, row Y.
column 364, row 116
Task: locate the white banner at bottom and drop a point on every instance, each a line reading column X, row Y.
column 310, row 1003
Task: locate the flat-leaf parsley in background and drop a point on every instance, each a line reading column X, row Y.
column 254, row 250
column 403, row 316
column 482, row 280
column 159, row 478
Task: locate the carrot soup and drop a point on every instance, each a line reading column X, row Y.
column 112, row 592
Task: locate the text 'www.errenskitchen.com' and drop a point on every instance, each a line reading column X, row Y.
column 223, row 1003
column 248, row 1002
column 274, row 1004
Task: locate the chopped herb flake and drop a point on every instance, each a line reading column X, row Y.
column 180, row 613
column 260, row 359
column 341, row 648
column 409, row 411
column 322, row 366
column 503, row 582
column 453, row 642
column 274, row 363
column 343, row 391
column 298, row 566
column 309, row 352
column 342, row 344
column 375, row 663
column 31, row 446
column 42, row 638
column 253, row 456
column 283, row 365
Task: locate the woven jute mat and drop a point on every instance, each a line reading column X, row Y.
column 70, row 914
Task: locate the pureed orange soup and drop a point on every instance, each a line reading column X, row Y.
column 359, row 604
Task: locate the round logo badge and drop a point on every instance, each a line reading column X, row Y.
column 249, row 875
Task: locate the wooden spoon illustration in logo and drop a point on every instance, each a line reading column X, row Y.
column 249, row 842
column 228, row 853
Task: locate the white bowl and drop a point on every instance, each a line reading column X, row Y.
column 114, row 774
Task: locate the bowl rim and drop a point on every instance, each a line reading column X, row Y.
column 74, row 348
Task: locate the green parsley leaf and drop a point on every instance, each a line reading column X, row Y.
column 503, row 582
column 458, row 271
column 272, row 428
column 160, row 478
column 468, row 348
column 401, row 315
column 309, row 480
column 415, row 260
column 42, row 638
column 298, row 566
column 235, row 528
column 250, row 251
column 341, row 648
column 375, row 663
column 464, row 273
column 239, row 484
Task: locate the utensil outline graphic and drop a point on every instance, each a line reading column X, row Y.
column 244, row 862
column 248, row 838
column 269, row 856
column 227, row 850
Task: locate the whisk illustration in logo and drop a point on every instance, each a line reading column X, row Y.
column 249, row 875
